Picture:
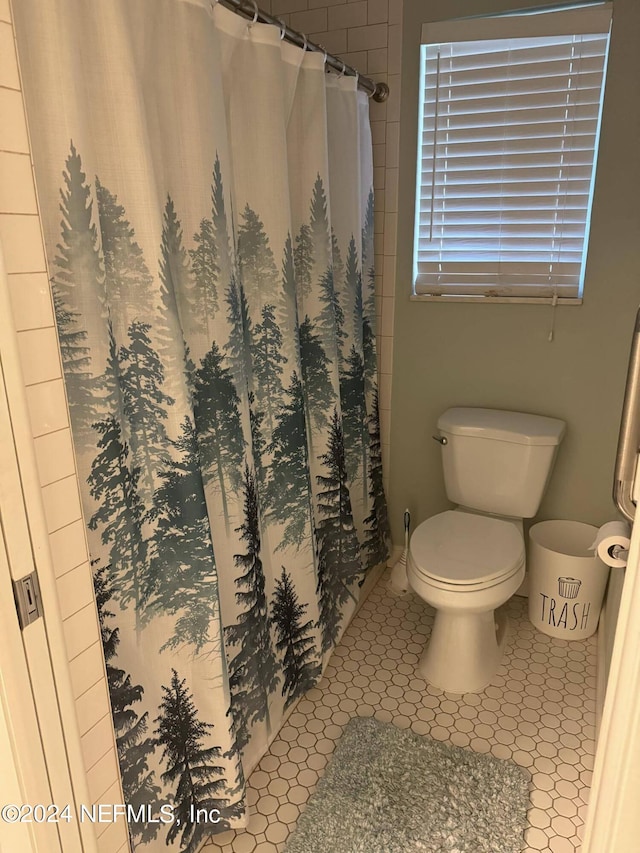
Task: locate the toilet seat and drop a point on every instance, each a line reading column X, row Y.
column 464, row 551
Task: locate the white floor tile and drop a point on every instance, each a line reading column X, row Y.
column 532, row 713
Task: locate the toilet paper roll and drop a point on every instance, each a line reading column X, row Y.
column 610, row 535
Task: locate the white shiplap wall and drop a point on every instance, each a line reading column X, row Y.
column 21, row 238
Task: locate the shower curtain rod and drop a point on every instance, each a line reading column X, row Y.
column 378, row 91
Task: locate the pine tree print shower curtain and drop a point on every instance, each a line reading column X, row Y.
column 206, row 194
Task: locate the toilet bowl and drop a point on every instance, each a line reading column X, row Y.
column 465, row 566
column 469, row 561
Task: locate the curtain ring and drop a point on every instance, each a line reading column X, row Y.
column 283, row 28
column 256, row 12
column 324, row 56
column 343, row 72
column 357, row 78
column 306, row 42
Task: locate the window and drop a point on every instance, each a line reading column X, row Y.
column 509, row 121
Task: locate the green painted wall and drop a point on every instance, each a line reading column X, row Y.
column 498, row 355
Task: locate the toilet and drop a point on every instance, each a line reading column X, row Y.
column 468, row 561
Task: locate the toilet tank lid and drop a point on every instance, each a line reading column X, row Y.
column 516, row 427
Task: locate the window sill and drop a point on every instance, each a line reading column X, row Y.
column 513, row 300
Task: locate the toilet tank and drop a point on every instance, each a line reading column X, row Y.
column 498, row 462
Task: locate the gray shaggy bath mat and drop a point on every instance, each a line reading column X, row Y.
column 388, row 790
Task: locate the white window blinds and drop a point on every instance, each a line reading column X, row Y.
column 509, row 121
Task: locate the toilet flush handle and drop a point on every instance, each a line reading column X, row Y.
column 440, row 438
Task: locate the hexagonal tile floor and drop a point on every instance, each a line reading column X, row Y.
column 538, row 711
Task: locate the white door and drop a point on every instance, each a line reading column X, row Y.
column 613, row 819
column 34, row 771
column 23, row 779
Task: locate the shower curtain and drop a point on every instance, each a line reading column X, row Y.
column 206, row 195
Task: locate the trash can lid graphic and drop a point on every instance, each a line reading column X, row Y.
column 569, row 587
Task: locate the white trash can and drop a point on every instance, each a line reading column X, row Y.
column 567, row 580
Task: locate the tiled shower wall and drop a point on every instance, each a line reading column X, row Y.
column 21, row 239
column 367, row 34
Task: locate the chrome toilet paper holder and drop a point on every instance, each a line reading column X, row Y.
column 619, row 552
